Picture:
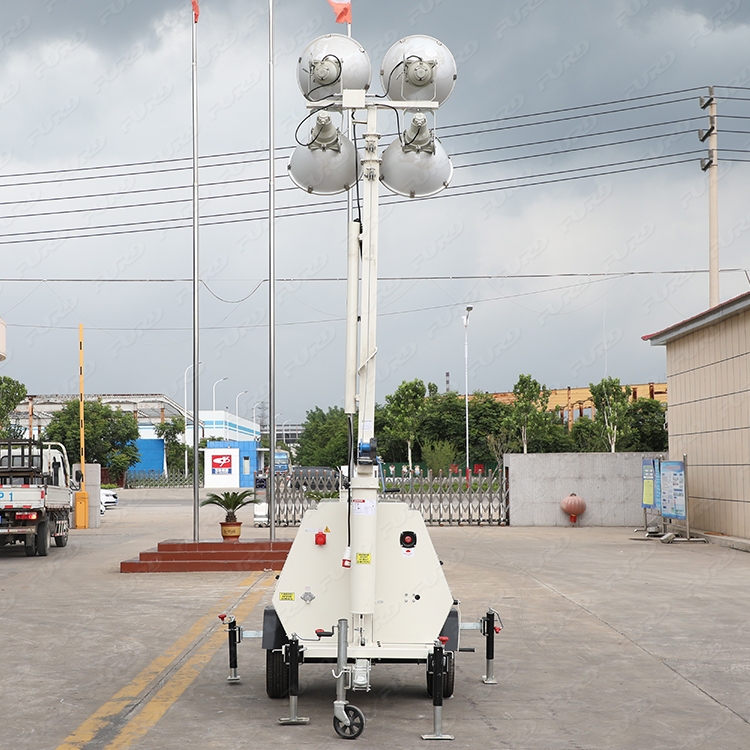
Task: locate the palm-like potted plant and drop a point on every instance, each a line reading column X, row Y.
column 231, row 502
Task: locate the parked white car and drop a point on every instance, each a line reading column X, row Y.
column 109, row 498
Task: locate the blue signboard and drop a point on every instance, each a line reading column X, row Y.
column 648, row 499
column 672, row 477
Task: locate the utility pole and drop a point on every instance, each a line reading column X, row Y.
column 711, row 165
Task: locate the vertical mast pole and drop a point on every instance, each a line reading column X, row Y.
column 713, row 208
column 270, row 482
column 711, row 165
column 196, row 295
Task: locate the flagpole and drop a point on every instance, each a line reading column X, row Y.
column 196, row 278
column 271, row 475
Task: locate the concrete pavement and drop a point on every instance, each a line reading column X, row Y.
column 609, row 642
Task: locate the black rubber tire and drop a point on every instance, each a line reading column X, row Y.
column 62, row 541
column 277, row 675
column 449, row 675
column 42, row 539
column 356, row 726
column 29, row 545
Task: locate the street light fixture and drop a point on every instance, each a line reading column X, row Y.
column 469, row 308
column 237, row 413
column 213, row 403
column 260, row 403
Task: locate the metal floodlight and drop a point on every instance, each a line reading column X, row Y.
column 328, row 164
column 330, row 64
column 418, row 68
column 417, row 165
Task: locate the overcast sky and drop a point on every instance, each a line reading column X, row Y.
column 107, row 87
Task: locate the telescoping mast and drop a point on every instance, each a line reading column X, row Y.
column 362, row 584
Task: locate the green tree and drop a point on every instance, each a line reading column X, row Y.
column 444, row 420
column 611, row 402
column 324, row 438
column 405, row 410
column 486, row 417
column 550, row 434
column 648, row 430
column 11, row 394
column 110, row 434
column 586, row 436
column 438, row 456
column 172, row 432
column 529, row 408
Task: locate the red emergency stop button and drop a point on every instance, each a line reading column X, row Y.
column 320, row 537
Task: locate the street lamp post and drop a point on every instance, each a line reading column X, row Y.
column 469, row 308
column 213, row 402
column 237, row 414
column 184, row 433
column 254, row 407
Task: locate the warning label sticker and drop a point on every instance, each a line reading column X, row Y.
column 363, row 558
column 286, row 596
column 364, row 507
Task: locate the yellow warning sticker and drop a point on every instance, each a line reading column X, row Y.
column 327, row 530
column 363, row 558
column 286, row 596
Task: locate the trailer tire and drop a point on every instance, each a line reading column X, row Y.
column 449, row 674
column 29, row 545
column 42, row 539
column 277, row 674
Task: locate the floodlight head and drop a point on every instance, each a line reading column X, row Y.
column 418, row 68
column 330, row 64
column 416, row 166
column 328, row 164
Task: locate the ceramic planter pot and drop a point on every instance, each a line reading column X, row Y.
column 230, row 532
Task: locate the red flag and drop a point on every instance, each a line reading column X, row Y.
column 343, row 11
column 196, row 10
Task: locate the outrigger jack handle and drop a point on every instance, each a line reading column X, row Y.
column 293, row 651
column 438, row 666
column 489, row 630
column 235, row 636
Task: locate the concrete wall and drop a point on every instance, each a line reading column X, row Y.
column 610, row 483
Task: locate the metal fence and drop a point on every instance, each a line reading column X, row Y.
column 442, row 500
column 157, row 479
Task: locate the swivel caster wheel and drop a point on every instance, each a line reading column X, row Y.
column 356, row 723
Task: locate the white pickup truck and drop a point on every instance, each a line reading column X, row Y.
column 36, row 499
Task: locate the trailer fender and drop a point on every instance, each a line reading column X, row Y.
column 274, row 635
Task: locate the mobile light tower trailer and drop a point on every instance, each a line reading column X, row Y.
column 362, row 584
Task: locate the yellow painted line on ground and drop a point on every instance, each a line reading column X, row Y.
column 150, row 714
column 124, row 697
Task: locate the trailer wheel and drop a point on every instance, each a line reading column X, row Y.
column 356, row 723
column 277, row 675
column 29, row 545
column 42, row 539
column 449, row 674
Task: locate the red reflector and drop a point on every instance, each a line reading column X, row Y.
column 26, row 516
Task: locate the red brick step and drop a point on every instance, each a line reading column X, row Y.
column 184, row 556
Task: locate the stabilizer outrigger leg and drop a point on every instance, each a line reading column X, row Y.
column 293, row 652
